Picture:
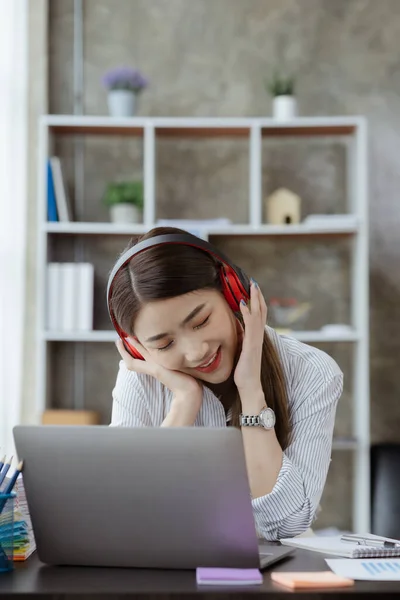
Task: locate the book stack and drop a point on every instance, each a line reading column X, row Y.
column 70, row 288
column 24, row 539
column 20, row 534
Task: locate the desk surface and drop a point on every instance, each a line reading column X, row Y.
column 36, row 580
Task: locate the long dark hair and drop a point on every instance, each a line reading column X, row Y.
column 170, row 270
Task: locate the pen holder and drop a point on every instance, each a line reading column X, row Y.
column 6, row 532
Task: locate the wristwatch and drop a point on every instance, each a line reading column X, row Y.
column 265, row 419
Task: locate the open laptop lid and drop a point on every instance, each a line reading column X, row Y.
column 100, row 496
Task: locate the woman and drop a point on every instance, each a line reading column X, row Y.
column 209, row 366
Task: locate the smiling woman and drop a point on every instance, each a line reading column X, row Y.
column 154, row 295
column 196, row 351
column 189, row 346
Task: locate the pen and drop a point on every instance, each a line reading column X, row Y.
column 372, row 542
column 2, row 461
column 4, row 470
column 10, row 484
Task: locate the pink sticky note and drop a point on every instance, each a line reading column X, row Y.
column 223, row 576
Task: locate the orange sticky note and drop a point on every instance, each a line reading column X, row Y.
column 317, row 579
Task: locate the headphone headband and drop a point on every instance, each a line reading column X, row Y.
column 174, row 238
column 235, row 283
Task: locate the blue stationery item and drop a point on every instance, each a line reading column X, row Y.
column 7, row 533
column 10, row 484
column 4, row 470
column 2, row 461
column 51, row 196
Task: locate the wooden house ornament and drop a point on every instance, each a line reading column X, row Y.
column 283, row 207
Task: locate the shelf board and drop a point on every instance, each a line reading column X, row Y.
column 111, row 336
column 81, row 336
column 130, row 130
column 200, row 127
column 202, row 132
column 321, row 336
column 296, row 130
column 94, row 228
column 84, row 228
column 286, row 230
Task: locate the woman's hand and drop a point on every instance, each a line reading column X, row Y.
column 181, row 385
column 247, row 374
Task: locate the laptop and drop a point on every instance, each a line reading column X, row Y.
column 169, row 498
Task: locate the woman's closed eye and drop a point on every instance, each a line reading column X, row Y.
column 196, row 327
column 202, row 323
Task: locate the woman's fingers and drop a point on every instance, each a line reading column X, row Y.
column 133, row 364
column 264, row 309
column 263, row 304
column 255, row 308
column 179, row 383
column 244, row 309
column 122, row 350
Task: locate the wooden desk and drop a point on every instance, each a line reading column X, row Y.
column 34, row 580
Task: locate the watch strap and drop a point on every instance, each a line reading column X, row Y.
column 250, row 420
column 259, row 420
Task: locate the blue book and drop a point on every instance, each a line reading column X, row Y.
column 51, row 197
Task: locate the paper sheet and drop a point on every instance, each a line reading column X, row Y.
column 372, row 569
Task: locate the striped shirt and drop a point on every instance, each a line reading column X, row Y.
column 314, row 385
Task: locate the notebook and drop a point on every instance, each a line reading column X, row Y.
column 311, row 580
column 223, row 576
column 333, row 545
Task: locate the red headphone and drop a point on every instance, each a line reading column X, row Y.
column 235, row 283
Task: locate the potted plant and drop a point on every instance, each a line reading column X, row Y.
column 125, row 201
column 124, row 85
column 281, row 89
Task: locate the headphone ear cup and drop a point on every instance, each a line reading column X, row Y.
column 232, row 288
column 226, row 290
column 128, row 347
column 131, row 349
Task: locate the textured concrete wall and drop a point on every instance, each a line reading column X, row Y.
column 210, row 58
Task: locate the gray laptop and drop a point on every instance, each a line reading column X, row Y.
column 174, row 498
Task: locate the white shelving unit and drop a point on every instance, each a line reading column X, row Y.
column 286, row 230
column 111, row 336
column 255, row 129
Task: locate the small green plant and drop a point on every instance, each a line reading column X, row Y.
column 280, row 85
column 124, row 192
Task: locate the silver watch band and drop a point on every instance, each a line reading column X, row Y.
column 250, row 420
column 265, row 419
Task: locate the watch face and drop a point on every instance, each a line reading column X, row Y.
column 267, row 418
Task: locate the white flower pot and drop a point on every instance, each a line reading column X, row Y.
column 125, row 213
column 284, row 108
column 121, row 103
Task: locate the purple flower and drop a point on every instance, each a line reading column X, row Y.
column 125, row 78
